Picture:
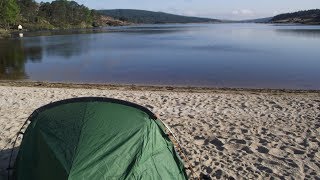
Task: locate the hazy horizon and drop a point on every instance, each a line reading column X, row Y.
column 233, row 9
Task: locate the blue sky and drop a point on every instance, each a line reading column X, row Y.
column 222, row 9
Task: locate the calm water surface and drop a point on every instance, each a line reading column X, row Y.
column 214, row 55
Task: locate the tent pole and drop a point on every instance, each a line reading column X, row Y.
column 13, row 146
column 181, row 150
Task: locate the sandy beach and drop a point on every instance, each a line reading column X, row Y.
column 227, row 134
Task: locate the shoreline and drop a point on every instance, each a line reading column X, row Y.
column 5, row 34
column 133, row 87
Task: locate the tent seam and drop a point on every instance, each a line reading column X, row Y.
column 76, row 151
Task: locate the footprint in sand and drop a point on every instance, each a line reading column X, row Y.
column 199, row 140
column 215, row 141
column 262, row 149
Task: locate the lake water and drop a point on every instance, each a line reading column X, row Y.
column 211, row 55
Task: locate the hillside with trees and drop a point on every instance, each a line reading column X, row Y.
column 64, row 14
column 300, row 17
column 150, row 17
column 59, row 14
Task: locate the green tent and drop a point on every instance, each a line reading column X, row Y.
column 96, row 138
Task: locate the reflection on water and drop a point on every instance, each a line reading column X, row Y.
column 15, row 53
column 215, row 55
column 311, row 33
column 63, row 32
column 13, row 56
column 153, row 29
column 127, row 29
column 65, row 46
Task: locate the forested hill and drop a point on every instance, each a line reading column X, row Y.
column 150, row 17
column 301, row 17
column 50, row 15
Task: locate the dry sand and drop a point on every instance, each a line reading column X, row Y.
column 226, row 134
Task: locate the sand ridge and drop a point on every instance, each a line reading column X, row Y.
column 227, row 135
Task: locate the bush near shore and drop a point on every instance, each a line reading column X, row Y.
column 4, row 33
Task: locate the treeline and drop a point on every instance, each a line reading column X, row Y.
column 62, row 12
column 45, row 15
column 304, row 17
column 150, row 17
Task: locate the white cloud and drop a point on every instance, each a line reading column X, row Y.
column 235, row 12
column 247, row 12
column 190, row 13
column 243, row 12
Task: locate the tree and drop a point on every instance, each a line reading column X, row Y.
column 58, row 13
column 29, row 9
column 45, row 10
column 9, row 12
column 63, row 13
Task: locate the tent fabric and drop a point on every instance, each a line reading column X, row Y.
column 96, row 138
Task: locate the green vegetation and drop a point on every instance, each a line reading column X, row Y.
column 149, row 17
column 9, row 12
column 65, row 14
column 59, row 14
column 301, row 17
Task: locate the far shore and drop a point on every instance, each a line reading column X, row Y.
column 4, row 34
